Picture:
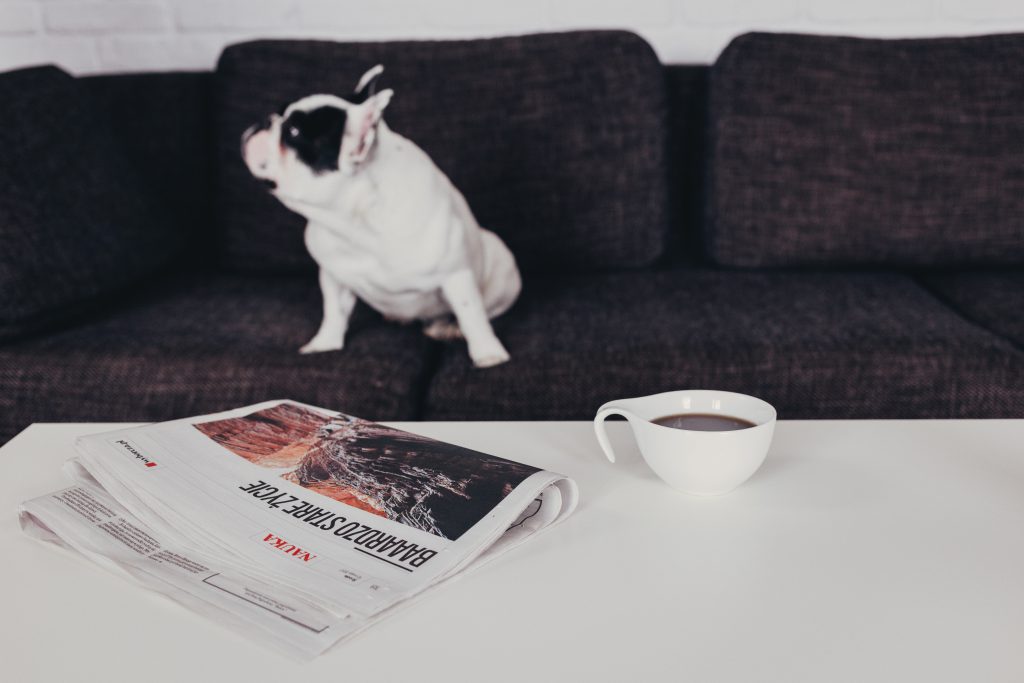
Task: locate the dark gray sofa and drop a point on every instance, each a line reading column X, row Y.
column 833, row 224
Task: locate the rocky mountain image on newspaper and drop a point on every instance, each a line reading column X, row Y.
column 437, row 487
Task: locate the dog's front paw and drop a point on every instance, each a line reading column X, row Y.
column 492, row 360
column 323, row 342
column 489, row 355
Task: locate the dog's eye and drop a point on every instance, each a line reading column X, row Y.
column 293, row 132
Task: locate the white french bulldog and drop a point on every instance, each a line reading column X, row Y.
column 384, row 223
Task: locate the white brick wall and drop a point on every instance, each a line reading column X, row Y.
column 90, row 36
column 19, row 18
column 104, row 18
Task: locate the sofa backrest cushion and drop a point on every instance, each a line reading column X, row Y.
column 829, row 151
column 167, row 138
column 556, row 140
column 76, row 220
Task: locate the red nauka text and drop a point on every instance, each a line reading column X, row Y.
column 288, row 548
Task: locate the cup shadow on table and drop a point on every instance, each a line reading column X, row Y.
column 824, row 482
column 777, row 466
column 814, row 482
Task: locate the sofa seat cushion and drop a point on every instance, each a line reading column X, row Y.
column 842, row 345
column 993, row 299
column 833, row 150
column 78, row 221
column 557, row 141
column 205, row 344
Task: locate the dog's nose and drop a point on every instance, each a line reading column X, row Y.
column 256, row 128
column 256, row 151
column 252, row 130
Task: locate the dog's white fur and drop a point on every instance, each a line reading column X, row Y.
column 390, row 228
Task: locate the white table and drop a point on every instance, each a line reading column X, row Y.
column 862, row 551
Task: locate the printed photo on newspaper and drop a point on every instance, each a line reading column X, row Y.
column 295, row 524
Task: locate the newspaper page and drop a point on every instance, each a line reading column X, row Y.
column 305, row 523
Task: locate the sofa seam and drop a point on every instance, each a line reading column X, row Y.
column 950, row 306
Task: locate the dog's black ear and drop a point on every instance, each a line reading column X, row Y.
column 367, row 85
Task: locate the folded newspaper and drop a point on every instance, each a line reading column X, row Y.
column 293, row 524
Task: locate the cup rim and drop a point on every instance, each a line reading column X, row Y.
column 773, row 414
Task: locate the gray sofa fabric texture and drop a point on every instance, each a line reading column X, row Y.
column 838, row 344
column 201, row 343
column 162, row 127
column 78, row 222
column 842, row 151
column 993, row 299
column 557, row 141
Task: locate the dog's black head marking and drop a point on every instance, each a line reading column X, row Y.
column 315, row 136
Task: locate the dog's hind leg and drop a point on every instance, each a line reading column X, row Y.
column 501, row 280
column 442, row 329
column 462, row 294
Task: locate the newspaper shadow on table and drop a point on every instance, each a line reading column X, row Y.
column 437, row 487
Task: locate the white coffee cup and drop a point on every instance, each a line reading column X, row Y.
column 700, row 463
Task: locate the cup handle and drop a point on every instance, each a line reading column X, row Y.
column 603, row 413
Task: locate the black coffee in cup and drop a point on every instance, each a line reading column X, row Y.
column 703, row 422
